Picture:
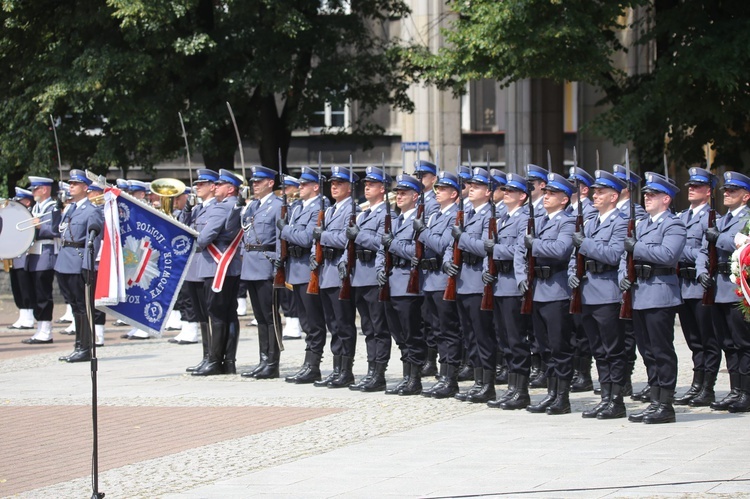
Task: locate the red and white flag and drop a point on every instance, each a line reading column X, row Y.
column 110, row 282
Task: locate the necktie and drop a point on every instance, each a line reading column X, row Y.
column 70, row 211
column 399, row 221
column 505, row 218
column 543, row 224
column 690, row 215
column 469, row 214
column 727, row 218
column 597, row 223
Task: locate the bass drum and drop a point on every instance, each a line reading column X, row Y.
column 14, row 242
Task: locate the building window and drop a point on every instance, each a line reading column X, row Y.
column 483, row 107
column 332, row 117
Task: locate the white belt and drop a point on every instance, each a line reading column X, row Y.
column 36, row 248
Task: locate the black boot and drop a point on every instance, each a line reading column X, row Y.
column 542, row 405
column 346, row 376
column 309, row 372
column 447, row 387
column 734, row 393
column 230, row 350
column 520, row 398
column 642, row 396
column 427, row 392
column 83, row 354
column 584, row 383
column 429, row 368
column 465, row 370
column 262, row 350
column 742, row 402
column 576, row 370
column 376, row 383
column 334, row 374
column 474, row 388
column 407, row 372
column 495, row 404
column 637, row 417
column 271, row 370
column 561, row 404
column 364, row 379
column 538, row 376
column 502, row 377
column 487, row 391
column 664, row 413
column 695, row 388
column 627, row 387
column 606, row 394
column 615, row 409
column 205, row 340
column 706, row 396
column 214, row 365
column 414, row 385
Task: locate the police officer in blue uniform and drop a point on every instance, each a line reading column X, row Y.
column 367, row 234
column 339, row 314
column 511, row 228
column 732, row 330
column 656, row 250
column 436, row 236
column 21, row 284
column 551, row 246
column 695, row 318
column 221, row 230
column 476, row 324
column 73, row 261
column 499, row 179
column 258, row 261
column 602, row 242
column 298, row 232
column 403, row 311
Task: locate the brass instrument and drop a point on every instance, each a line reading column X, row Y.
column 167, row 189
column 29, row 223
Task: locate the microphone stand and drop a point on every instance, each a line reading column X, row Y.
column 90, row 281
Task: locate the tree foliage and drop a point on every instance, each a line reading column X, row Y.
column 116, row 73
column 696, row 91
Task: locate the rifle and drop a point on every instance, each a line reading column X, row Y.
column 351, row 254
column 626, row 309
column 313, row 287
column 528, row 296
column 488, row 300
column 713, row 257
column 413, row 285
column 450, row 288
column 279, row 281
column 576, row 304
column 385, row 291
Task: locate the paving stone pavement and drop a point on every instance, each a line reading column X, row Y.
column 167, row 434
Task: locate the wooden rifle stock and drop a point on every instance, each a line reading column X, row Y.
column 313, row 287
column 528, row 296
column 413, row 286
column 488, row 295
column 279, row 280
column 713, row 260
column 346, row 284
column 576, row 304
column 626, row 308
column 450, row 288
column 385, row 291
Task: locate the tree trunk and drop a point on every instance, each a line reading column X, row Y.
column 274, row 134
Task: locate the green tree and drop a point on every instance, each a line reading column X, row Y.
column 696, row 91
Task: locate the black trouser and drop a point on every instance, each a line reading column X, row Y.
column 478, row 330
column 553, row 329
column 698, row 327
column 288, row 302
column 339, row 316
column 22, row 286
column 448, row 337
column 261, row 299
column 430, row 324
column 374, row 323
column 311, row 319
column 606, row 336
column 518, row 354
column 73, row 288
column 654, row 334
column 630, row 348
column 242, row 290
column 197, row 300
column 222, row 316
column 404, row 322
column 184, row 305
column 581, row 346
column 42, row 291
column 734, row 334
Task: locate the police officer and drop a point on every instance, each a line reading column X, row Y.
column 339, row 314
column 538, row 178
column 367, row 234
column 21, row 283
column 476, row 324
column 656, row 250
column 289, row 304
column 499, row 179
column 426, row 172
column 258, row 262
column 696, row 319
column 552, row 246
column 436, row 236
column 732, row 330
column 298, row 232
column 403, row 310
column 80, row 221
column 602, row 242
column 511, row 228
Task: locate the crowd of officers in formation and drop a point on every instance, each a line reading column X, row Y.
column 438, row 233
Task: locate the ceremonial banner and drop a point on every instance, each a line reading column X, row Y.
column 144, row 257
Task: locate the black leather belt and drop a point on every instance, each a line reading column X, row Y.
column 332, row 253
column 260, row 247
column 646, row 271
column 365, row 255
column 686, row 272
column 298, row 251
column 504, row 266
column 547, row 271
column 724, row 268
column 471, row 259
column 431, row 263
column 401, row 262
column 596, row 267
column 71, row 244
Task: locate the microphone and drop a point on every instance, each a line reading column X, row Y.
column 95, row 228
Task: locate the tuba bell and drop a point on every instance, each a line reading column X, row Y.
column 167, row 189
